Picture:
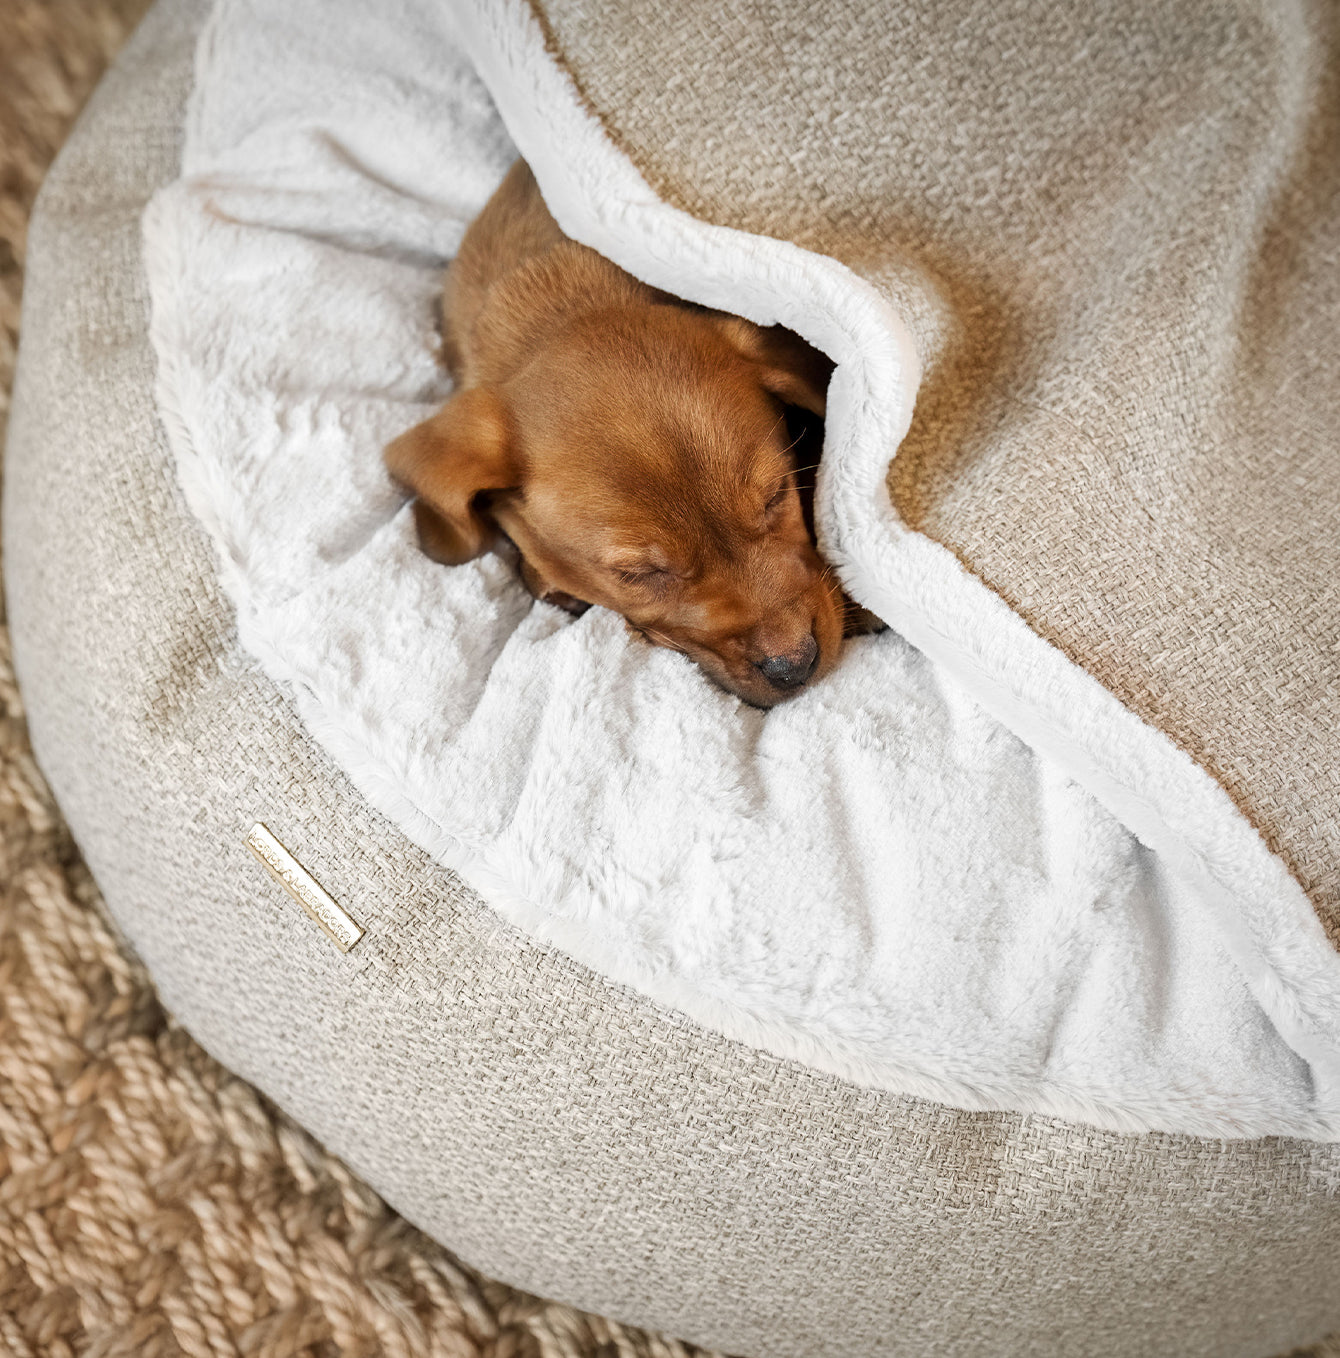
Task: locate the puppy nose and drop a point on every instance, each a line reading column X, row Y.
column 790, row 671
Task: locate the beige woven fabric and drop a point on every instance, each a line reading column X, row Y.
column 151, row 1204
column 1115, row 230
column 50, row 56
column 549, row 1126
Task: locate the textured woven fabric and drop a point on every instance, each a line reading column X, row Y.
column 1113, row 228
column 151, row 1205
column 547, row 1125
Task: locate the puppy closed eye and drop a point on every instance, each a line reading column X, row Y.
column 645, row 576
column 778, row 497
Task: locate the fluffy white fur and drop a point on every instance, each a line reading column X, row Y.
column 957, row 868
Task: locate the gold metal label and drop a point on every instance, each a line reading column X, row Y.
column 303, row 887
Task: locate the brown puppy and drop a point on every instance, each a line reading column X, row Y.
column 634, row 449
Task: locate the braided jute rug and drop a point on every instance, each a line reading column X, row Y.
column 151, row 1203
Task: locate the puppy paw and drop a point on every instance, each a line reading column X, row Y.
column 565, row 601
column 858, row 621
column 541, row 590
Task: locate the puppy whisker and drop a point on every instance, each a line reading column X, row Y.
column 652, row 635
column 793, row 442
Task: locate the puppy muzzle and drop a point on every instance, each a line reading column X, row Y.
column 788, row 672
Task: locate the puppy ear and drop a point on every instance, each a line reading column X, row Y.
column 449, row 462
column 789, row 368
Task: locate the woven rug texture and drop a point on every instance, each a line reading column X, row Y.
column 151, row 1203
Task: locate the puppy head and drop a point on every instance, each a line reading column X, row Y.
column 641, row 461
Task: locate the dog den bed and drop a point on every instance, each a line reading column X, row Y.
column 980, row 999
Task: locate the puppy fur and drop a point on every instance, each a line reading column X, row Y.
column 635, row 449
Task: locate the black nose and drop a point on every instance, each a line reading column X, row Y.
column 790, row 671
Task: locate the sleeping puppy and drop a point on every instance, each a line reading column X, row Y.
column 634, row 448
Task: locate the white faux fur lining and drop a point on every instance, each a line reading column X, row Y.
column 921, row 588
column 1247, row 899
column 1261, row 913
